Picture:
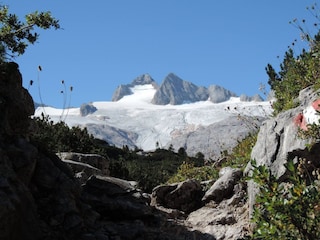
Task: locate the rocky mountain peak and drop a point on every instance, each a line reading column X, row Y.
column 143, row 80
column 123, row 90
column 176, row 91
column 219, row 94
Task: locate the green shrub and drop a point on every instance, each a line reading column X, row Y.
column 287, row 210
column 189, row 171
column 241, row 153
column 149, row 169
column 58, row 137
column 237, row 158
column 296, row 74
column 157, row 167
column 296, row 71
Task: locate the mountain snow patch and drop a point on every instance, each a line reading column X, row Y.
column 144, row 124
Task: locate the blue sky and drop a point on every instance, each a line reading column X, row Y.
column 107, row 43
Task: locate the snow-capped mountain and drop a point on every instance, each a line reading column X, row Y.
column 124, row 90
column 133, row 120
column 176, row 91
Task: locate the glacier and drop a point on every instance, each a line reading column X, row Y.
column 136, row 122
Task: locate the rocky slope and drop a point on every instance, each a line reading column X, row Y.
column 42, row 197
column 71, row 196
column 217, row 137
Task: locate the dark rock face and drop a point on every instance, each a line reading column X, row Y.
column 176, row 91
column 38, row 194
column 16, row 105
column 124, row 90
column 86, row 109
column 85, row 165
column 18, row 211
column 185, row 196
column 115, row 199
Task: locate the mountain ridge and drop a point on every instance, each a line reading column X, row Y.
column 125, row 89
column 174, row 90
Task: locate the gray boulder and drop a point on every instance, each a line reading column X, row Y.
column 227, row 220
column 184, row 196
column 223, row 187
column 85, row 165
column 219, row 94
column 277, row 142
column 277, row 138
column 176, row 91
column 116, row 199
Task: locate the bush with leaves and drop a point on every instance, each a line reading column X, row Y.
column 237, row 158
column 58, row 137
column 296, row 71
column 149, row 169
column 156, row 167
column 286, row 210
column 296, row 74
column 241, row 153
column 187, row 170
column 15, row 35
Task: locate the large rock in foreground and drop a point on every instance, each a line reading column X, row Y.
column 16, row 104
column 185, row 196
column 224, row 186
column 278, row 141
column 278, row 137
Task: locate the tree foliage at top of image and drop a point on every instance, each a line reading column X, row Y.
column 297, row 70
column 17, row 35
